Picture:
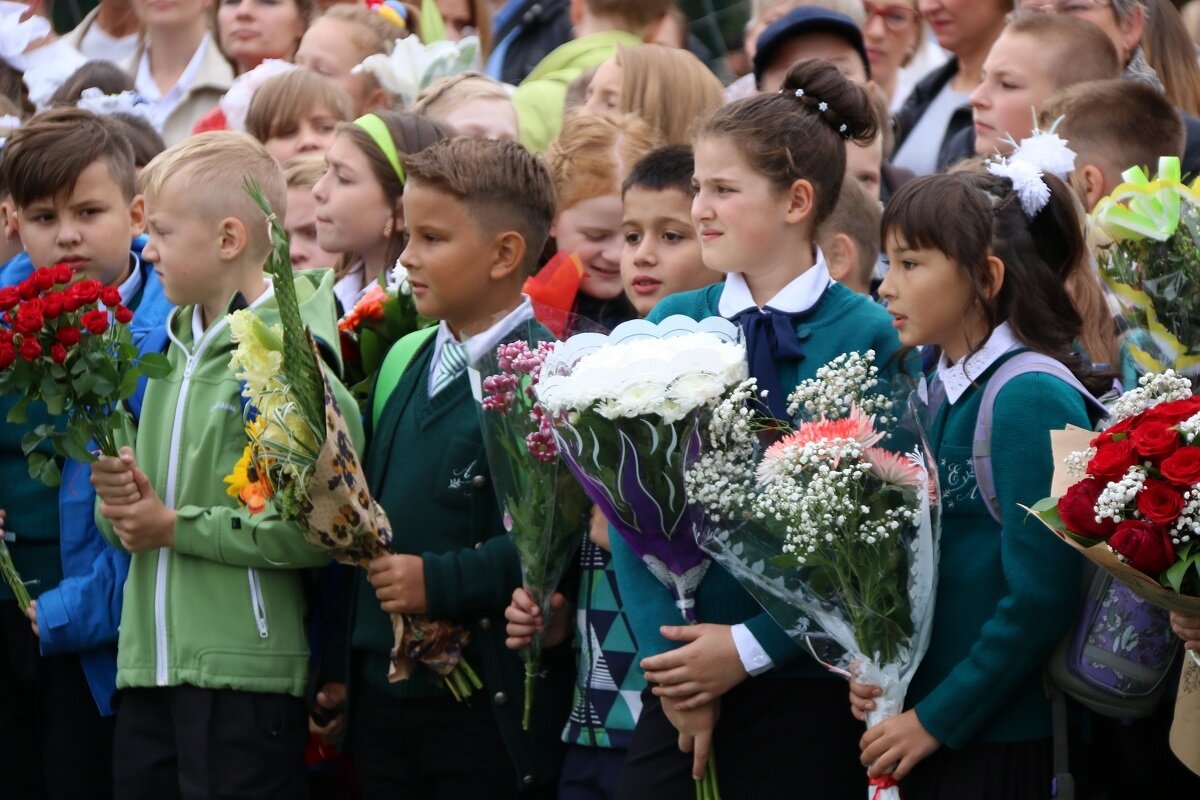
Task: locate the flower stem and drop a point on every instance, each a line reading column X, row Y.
column 13, row 578
column 530, row 675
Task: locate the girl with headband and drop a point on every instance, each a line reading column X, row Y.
column 358, row 212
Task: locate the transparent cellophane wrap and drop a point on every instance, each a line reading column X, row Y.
column 824, row 622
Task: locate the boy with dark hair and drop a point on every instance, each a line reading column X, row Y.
column 661, row 255
column 1113, row 125
column 213, row 656
column 478, row 213
column 600, row 25
column 71, row 178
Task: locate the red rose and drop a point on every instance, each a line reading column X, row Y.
column 30, row 349
column 1174, row 412
column 1144, row 545
column 110, row 296
column 1155, row 439
column 28, row 321
column 68, row 337
column 95, row 321
column 9, row 297
column 87, row 291
column 1160, row 502
column 6, row 336
column 43, row 278
column 27, row 289
column 123, row 314
column 52, row 304
column 1078, row 510
column 8, row 354
column 1112, row 460
column 58, row 353
column 62, row 273
column 71, row 303
column 1182, row 467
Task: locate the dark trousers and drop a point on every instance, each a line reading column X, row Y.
column 776, row 737
column 591, row 773
column 186, row 743
column 53, row 741
column 430, row 748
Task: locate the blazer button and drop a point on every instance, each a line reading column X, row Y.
column 485, row 624
column 479, row 545
column 500, row 698
column 527, row 780
column 479, row 481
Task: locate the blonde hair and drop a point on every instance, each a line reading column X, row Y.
column 211, row 169
column 282, row 101
column 373, row 33
column 445, row 95
column 668, row 88
column 303, row 172
column 858, row 216
column 593, row 154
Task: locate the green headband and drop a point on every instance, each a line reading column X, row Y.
column 377, row 130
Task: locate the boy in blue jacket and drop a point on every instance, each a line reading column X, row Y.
column 72, row 178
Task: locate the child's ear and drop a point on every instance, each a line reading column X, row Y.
column 137, row 216
column 233, row 238
column 10, row 226
column 995, row 276
column 577, row 9
column 398, row 214
column 1091, row 181
column 839, row 256
column 801, row 202
column 652, row 31
column 508, row 255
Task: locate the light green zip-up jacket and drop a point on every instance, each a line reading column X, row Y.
column 540, row 98
column 224, row 608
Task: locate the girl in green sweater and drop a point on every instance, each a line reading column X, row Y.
column 977, row 269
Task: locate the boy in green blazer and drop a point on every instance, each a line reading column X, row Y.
column 478, row 214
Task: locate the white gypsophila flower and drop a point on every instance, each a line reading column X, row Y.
column 846, row 381
column 721, row 480
column 1152, row 389
column 1076, row 462
column 1187, row 527
column 397, row 280
column 1189, row 429
column 1118, row 495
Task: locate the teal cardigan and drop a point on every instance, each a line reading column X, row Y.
column 841, row 321
column 426, row 465
column 1006, row 592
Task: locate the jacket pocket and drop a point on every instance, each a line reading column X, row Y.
column 256, row 603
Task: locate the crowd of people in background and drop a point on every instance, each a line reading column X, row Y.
column 820, row 161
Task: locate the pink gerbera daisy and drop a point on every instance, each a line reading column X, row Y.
column 893, row 468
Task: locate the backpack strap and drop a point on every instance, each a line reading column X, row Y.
column 1022, row 363
column 394, row 364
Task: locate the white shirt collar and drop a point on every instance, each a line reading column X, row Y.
column 798, row 296
column 163, row 104
column 479, row 344
column 958, row 377
column 133, row 284
column 351, row 287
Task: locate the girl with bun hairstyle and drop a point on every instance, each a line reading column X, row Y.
column 768, row 170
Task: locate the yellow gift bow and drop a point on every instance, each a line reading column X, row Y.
column 1137, row 209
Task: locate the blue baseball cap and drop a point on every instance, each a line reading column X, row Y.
column 800, row 22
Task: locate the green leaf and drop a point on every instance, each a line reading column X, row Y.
column 129, row 383
column 74, row 444
column 55, row 403
column 371, row 349
column 1175, row 574
column 32, row 440
column 44, row 469
column 20, row 410
column 84, row 383
column 154, row 365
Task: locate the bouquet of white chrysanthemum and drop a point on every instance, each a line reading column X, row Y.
column 832, row 527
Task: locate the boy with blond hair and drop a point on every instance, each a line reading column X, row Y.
column 478, row 213
column 74, row 202
column 600, row 25
column 213, row 656
column 849, row 237
column 1113, row 125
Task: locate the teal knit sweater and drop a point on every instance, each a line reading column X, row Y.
column 840, row 322
column 1006, row 592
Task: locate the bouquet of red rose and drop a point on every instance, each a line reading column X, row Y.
column 68, row 345
column 1134, row 509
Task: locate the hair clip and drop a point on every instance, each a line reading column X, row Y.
column 799, row 93
column 1041, row 153
column 822, row 106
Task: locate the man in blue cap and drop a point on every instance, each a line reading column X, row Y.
column 810, row 32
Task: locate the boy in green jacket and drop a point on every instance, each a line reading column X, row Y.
column 212, row 657
column 600, row 25
column 478, row 213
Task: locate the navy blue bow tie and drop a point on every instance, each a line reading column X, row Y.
column 770, row 338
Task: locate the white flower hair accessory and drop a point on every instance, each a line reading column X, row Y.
column 1043, row 152
column 97, row 102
